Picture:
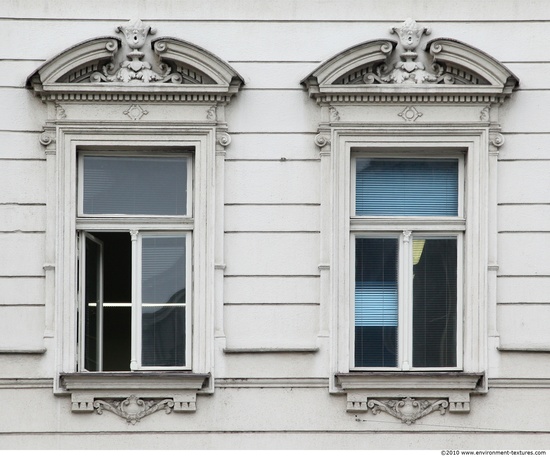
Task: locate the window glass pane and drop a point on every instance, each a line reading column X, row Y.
column 406, row 187
column 376, row 302
column 163, row 300
column 434, row 302
column 135, row 185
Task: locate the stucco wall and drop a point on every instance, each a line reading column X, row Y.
column 272, row 210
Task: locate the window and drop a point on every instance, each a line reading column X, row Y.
column 409, row 135
column 405, row 295
column 135, row 282
column 134, row 250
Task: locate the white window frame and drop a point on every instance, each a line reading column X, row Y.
column 74, row 138
column 137, row 227
column 405, row 305
column 137, row 315
column 341, row 226
column 401, row 228
column 135, row 364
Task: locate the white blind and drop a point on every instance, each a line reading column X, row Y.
column 406, row 187
column 135, row 185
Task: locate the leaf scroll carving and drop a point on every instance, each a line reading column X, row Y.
column 408, row 410
column 133, row 409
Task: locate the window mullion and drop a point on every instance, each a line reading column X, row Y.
column 406, row 300
column 135, row 362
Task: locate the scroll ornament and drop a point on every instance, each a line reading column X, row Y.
column 135, row 69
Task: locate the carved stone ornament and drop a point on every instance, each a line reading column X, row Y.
column 135, row 112
column 133, row 409
column 45, row 139
column 135, row 69
column 211, row 113
column 410, row 114
column 411, row 69
column 224, row 139
column 484, row 114
column 408, row 70
column 497, row 140
column 321, row 140
column 408, row 410
column 126, row 68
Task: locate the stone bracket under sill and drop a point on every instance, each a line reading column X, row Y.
column 133, row 395
column 409, row 396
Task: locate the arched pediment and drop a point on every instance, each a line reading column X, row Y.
column 351, row 62
column 460, row 57
column 136, row 64
column 384, row 70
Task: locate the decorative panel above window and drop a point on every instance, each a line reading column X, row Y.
column 135, row 141
column 409, row 137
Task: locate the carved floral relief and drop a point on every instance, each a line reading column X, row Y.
column 133, row 409
column 412, row 68
column 408, row 410
column 135, row 69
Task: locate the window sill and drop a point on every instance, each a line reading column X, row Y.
column 379, row 391
column 133, row 395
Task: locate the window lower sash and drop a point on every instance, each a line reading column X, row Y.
column 407, row 301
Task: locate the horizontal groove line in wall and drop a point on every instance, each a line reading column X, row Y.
column 21, row 204
column 523, row 204
column 273, row 160
column 292, row 62
column 441, row 430
column 17, row 351
column 272, row 204
column 249, row 132
column 276, row 383
column 30, row 305
column 523, row 304
column 18, row 232
column 270, row 350
column 233, row 232
column 515, row 62
column 5, row 232
column 508, row 232
column 23, row 159
column 519, row 383
column 22, row 276
column 272, row 304
column 524, row 160
column 298, row 88
column 544, row 132
column 15, row 59
column 321, row 20
column 19, row 131
column 26, row 383
column 271, row 276
column 523, row 276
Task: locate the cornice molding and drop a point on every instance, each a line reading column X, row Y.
column 384, row 71
column 135, row 68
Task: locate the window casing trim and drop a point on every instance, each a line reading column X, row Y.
column 342, row 226
column 73, row 137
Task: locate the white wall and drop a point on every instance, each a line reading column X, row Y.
column 272, row 197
